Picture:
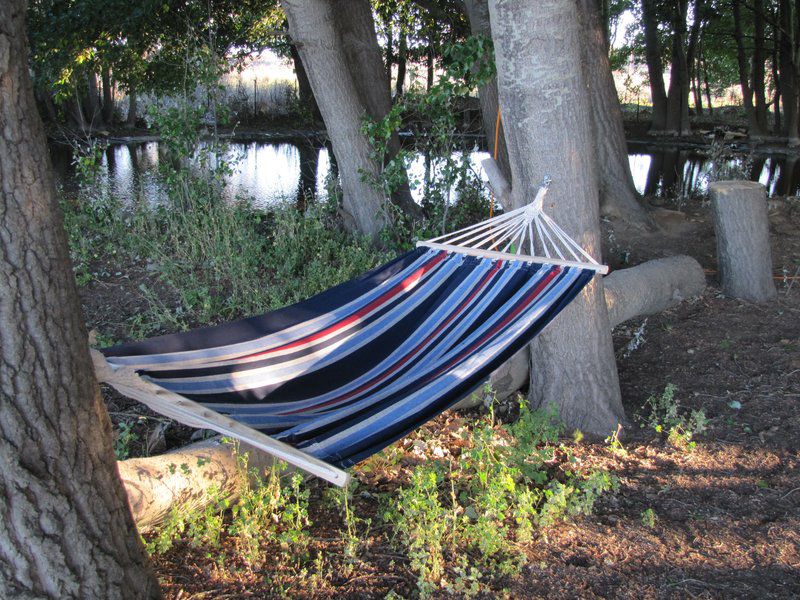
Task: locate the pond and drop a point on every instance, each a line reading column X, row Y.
column 278, row 172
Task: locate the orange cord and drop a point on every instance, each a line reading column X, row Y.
column 496, row 142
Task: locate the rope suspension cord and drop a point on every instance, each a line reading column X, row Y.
column 496, row 143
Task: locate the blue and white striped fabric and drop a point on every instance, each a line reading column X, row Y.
column 349, row 371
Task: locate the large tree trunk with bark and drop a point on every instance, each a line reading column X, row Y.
column 478, row 16
column 66, row 530
column 108, row 96
column 92, row 103
column 618, row 197
column 356, row 28
column 743, row 60
column 655, row 68
column 678, row 94
column 304, row 92
column 130, row 120
column 759, row 71
column 542, row 90
column 788, row 71
column 313, row 28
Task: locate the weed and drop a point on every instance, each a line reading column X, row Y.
column 667, row 417
column 614, row 443
column 422, row 524
column 124, row 437
column 649, row 518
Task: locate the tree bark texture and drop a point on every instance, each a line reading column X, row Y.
column 66, row 530
column 108, row 96
column 652, row 287
column 304, row 92
column 743, row 61
column 759, row 61
column 356, row 28
column 678, row 94
column 185, row 478
column 655, row 68
column 130, row 120
column 542, row 91
column 788, row 64
column 618, row 197
column 478, row 16
column 743, row 249
column 312, row 26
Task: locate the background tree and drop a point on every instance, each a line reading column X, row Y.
column 66, row 529
column 542, row 91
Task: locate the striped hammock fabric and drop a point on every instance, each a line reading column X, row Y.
column 342, row 375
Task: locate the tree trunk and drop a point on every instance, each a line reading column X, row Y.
column 66, row 530
column 707, row 86
column 753, row 126
column 788, row 75
column 478, row 16
column 543, row 92
column 402, row 58
column 697, row 92
column 75, row 113
column 678, row 94
column 356, row 29
column 655, row 69
column 743, row 249
column 108, row 97
column 429, row 69
column 314, row 31
column 776, row 81
column 652, row 287
column 618, row 197
column 130, row 121
column 92, row 100
column 759, row 60
column 304, row 91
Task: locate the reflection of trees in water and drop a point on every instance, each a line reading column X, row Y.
column 787, row 182
column 309, row 150
column 674, row 172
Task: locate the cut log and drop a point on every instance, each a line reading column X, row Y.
column 185, row 478
column 743, row 251
column 506, row 381
column 652, row 287
column 497, row 181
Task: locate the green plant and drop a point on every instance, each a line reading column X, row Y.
column 649, row 518
column 432, row 115
column 614, row 443
column 342, row 499
column 124, row 437
column 422, row 524
column 667, row 417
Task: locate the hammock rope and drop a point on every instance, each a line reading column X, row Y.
column 331, row 380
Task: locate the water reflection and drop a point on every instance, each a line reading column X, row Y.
column 294, row 172
column 675, row 171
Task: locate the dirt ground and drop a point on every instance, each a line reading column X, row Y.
column 726, row 516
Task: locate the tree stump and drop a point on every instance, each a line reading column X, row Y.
column 743, row 251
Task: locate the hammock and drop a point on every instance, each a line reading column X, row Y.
column 340, row 376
